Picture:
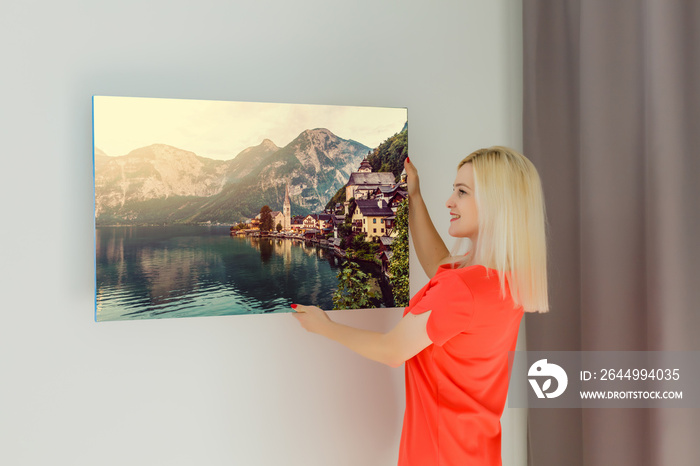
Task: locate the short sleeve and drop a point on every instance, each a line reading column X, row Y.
column 452, row 305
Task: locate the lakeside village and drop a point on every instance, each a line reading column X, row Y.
column 363, row 228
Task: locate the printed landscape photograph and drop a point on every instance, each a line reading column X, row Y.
column 209, row 208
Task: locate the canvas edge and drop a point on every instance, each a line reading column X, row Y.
column 94, row 206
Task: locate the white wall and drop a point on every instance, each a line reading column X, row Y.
column 245, row 390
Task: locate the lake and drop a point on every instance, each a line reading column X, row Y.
column 188, row 271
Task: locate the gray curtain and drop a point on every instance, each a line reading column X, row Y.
column 612, row 121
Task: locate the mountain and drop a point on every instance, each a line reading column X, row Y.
column 158, row 171
column 164, row 184
column 248, row 159
column 315, row 165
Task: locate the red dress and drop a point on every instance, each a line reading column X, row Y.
column 456, row 388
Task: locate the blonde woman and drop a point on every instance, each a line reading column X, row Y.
column 457, row 331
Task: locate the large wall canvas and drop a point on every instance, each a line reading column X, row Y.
column 209, row 208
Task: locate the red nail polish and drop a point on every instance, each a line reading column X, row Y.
column 408, row 159
column 294, row 306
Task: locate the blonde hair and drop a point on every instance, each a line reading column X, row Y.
column 511, row 218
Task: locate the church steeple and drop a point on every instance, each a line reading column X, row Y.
column 287, row 209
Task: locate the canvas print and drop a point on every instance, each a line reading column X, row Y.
column 207, row 208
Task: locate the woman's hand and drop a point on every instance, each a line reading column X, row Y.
column 312, row 318
column 412, row 180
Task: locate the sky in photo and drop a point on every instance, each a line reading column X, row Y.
column 221, row 130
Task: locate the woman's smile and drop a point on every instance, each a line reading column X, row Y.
column 464, row 221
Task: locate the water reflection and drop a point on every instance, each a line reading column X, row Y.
column 150, row 272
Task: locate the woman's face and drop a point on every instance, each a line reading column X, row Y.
column 462, row 205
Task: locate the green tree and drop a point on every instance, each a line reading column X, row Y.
column 389, row 155
column 398, row 266
column 345, row 228
column 266, row 222
column 363, row 249
column 352, row 205
column 354, row 288
column 279, row 227
column 338, row 198
column 359, row 242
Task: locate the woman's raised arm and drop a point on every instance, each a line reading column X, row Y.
column 430, row 247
